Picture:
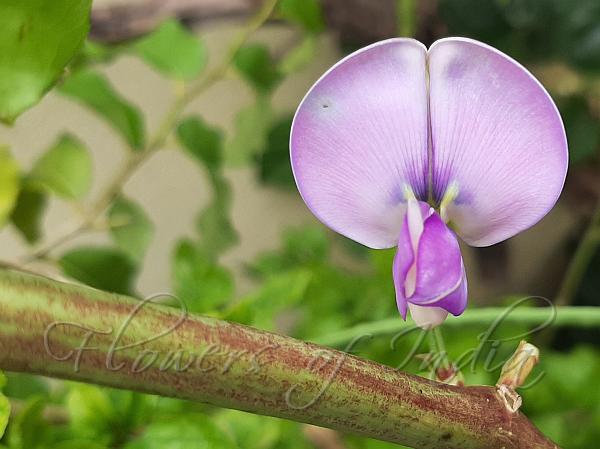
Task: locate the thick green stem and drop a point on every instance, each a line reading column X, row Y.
column 71, row 332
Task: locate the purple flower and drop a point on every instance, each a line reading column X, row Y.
column 396, row 142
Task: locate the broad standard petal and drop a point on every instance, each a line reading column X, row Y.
column 497, row 138
column 359, row 138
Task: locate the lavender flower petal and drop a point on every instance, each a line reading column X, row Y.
column 403, row 260
column 498, row 136
column 428, row 269
column 427, row 317
column 359, row 138
column 439, row 263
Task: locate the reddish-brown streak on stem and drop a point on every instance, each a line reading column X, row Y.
column 243, row 368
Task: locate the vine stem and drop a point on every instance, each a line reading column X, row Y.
column 406, row 11
column 580, row 261
column 136, row 159
column 73, row 332
column 540, row 317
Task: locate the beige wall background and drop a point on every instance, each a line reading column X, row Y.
column 172, row 189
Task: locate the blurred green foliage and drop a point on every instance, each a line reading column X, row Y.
column 315, row 282
column 37, row 40
column 28, row 212
column 94, row 91
column 9, row 183
column 172, row 50
column 65, row 169
column 130, row 228
column 531, row 30
column 102, row 267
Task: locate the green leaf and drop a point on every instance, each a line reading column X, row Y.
column 198, row 281
column 95, row 92
column 93, row 53
column 278, row 293
column 132, row 409
column 131, row 228
column 27, row 429
column 251, row 431
column 91, row 412
column 201, row 141
column 37, row 40
column 4, row 406
column 205, row 144
column 214, row 223
column 250, row 134
column 9, row 183
column 302, row 246
column 28, row 212
column 4, row 413
column 274, row 164
column 65, row 169
column 22, row 386
column 173, row 50
column 306, row 13
column 191, row 431
column 256, row 65
column 306, row 245
column 299, row 56
column 101, row 267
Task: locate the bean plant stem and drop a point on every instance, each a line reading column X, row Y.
column 73, row 332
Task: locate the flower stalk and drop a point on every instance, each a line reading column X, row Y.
column 71, row 332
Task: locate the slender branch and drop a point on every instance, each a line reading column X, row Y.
column 73, row 332
column 211, row 77
column 254, row 24
column 540, row 317
column 136, row 159
column 351, row 19
column 406, row 12
column 580, row 261
column 116, row 23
